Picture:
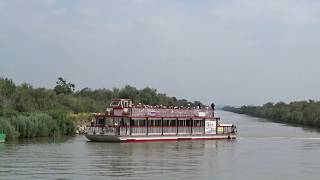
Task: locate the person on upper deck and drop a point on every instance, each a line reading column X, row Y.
column 199, row 106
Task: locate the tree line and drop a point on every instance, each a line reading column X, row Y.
column 306, row 113
column 27, row 111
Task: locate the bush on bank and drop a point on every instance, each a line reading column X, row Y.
column 26, row 111
column 37, row 124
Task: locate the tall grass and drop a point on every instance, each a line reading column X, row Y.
column 8, row 129
column 37, row 124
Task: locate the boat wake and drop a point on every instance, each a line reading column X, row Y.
column 298, row 138
column 282, row 137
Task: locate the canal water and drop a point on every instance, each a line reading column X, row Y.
column 264, row 150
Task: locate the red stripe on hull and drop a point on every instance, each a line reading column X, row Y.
column 177, row 139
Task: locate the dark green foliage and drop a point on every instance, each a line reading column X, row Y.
column 8, row 129
column 7, row 91
column 25, row 98
column 145, row 96
column 5, row 112
column 27, row 112
column 63, row 87
column 64, row 121
column 37, row 124
column 305, row 113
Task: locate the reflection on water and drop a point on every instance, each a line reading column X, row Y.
column 138, row 160
column 264, row 150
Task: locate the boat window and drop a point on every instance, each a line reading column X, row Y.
column 165, row 122
column 158, row 123
column 188, row 122
column 169, row 123
column 138, row 122
column 115, row 103
column 172, row 122
column 125, row 103
column 197, row 123
column 154, row 122
column 183, row 122
column 142, row 123
column 100, row 121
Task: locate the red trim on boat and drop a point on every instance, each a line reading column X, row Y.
column 166, row 117
column 173, row 139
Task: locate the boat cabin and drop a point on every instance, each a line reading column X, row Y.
column 122, row 118
column 121, row 103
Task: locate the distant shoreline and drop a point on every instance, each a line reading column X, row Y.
column 299, row 113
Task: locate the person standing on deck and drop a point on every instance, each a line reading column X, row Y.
column 213, row 107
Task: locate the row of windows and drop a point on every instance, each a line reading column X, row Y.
column 151, row 122
column 186, row 123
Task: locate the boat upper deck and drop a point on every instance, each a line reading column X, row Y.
column 173, row 113
column 161, row 113
column 124, row 107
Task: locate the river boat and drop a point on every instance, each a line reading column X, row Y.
column 125, row 122
column 2, row 137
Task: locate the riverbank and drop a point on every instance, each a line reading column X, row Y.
column 302, row 113
column 43, row 124
column 37, row 124
column 28, row 112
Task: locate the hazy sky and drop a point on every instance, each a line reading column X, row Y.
column 227, row 51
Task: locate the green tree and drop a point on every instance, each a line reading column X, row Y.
column 63, row 87
column 7, row 91
column 27, row 112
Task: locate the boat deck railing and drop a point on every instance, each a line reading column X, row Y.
column 152, row 131
column 157, row 112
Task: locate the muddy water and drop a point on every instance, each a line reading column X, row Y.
column 264, row 150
